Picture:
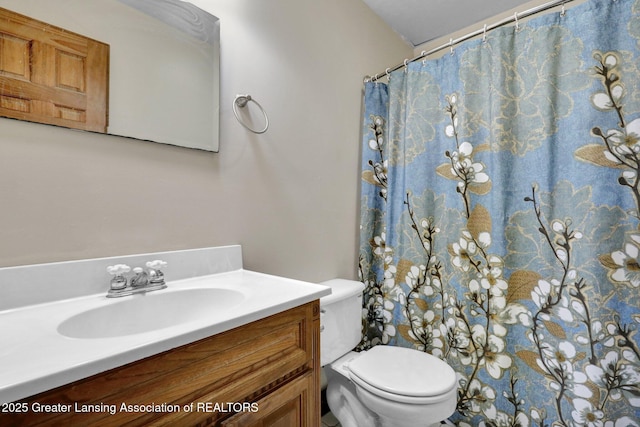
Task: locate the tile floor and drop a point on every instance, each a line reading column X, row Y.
column 328, row 420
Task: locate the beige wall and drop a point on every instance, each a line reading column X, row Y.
column 289, row 197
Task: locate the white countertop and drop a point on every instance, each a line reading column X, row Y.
column 34, row 357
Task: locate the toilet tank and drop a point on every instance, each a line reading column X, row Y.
column 340, row 319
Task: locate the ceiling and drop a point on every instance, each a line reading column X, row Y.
column 420, row 21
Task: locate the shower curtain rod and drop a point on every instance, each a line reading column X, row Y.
column 452, row 42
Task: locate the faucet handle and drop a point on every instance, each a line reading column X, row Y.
column 117, row 271
column 156, row 264
column 155, row 275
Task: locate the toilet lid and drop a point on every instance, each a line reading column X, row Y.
column 403, row 371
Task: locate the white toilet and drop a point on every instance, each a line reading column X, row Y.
column 385, row 386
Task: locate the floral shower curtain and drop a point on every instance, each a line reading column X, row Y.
column 500, row 218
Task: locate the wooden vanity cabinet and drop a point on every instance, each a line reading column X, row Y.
column 265, row 373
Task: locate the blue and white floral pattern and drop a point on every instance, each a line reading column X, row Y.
column 500, row 225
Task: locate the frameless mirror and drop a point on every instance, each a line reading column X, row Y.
column 163, row 73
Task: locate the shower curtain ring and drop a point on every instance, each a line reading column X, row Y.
column 515, row 17
column 406, row 64
column 387, row 73
column 563, row 11
column 423, row 54
column 484, row 34
column 451, row 45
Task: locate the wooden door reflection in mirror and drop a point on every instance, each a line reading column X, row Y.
column 50, row 75
column 163, row 72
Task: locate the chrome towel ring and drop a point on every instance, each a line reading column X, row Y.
column 242, row 101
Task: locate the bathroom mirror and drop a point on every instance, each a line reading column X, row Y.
column 163, row 64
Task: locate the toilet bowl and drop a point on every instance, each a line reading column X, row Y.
column 385, row 386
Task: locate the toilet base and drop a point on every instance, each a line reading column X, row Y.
column 344, row 403
column 348, row 407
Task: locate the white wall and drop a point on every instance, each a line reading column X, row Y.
column 289, row 197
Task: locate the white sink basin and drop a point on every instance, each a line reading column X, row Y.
column 142, row 313
column 91, row 333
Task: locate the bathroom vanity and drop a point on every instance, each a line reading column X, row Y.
column 261, row 374
column 251, row 361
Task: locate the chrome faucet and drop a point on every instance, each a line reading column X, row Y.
column 143, row 280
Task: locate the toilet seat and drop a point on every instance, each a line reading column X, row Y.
column 403, row 375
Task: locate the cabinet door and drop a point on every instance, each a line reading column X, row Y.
column 287, row 406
